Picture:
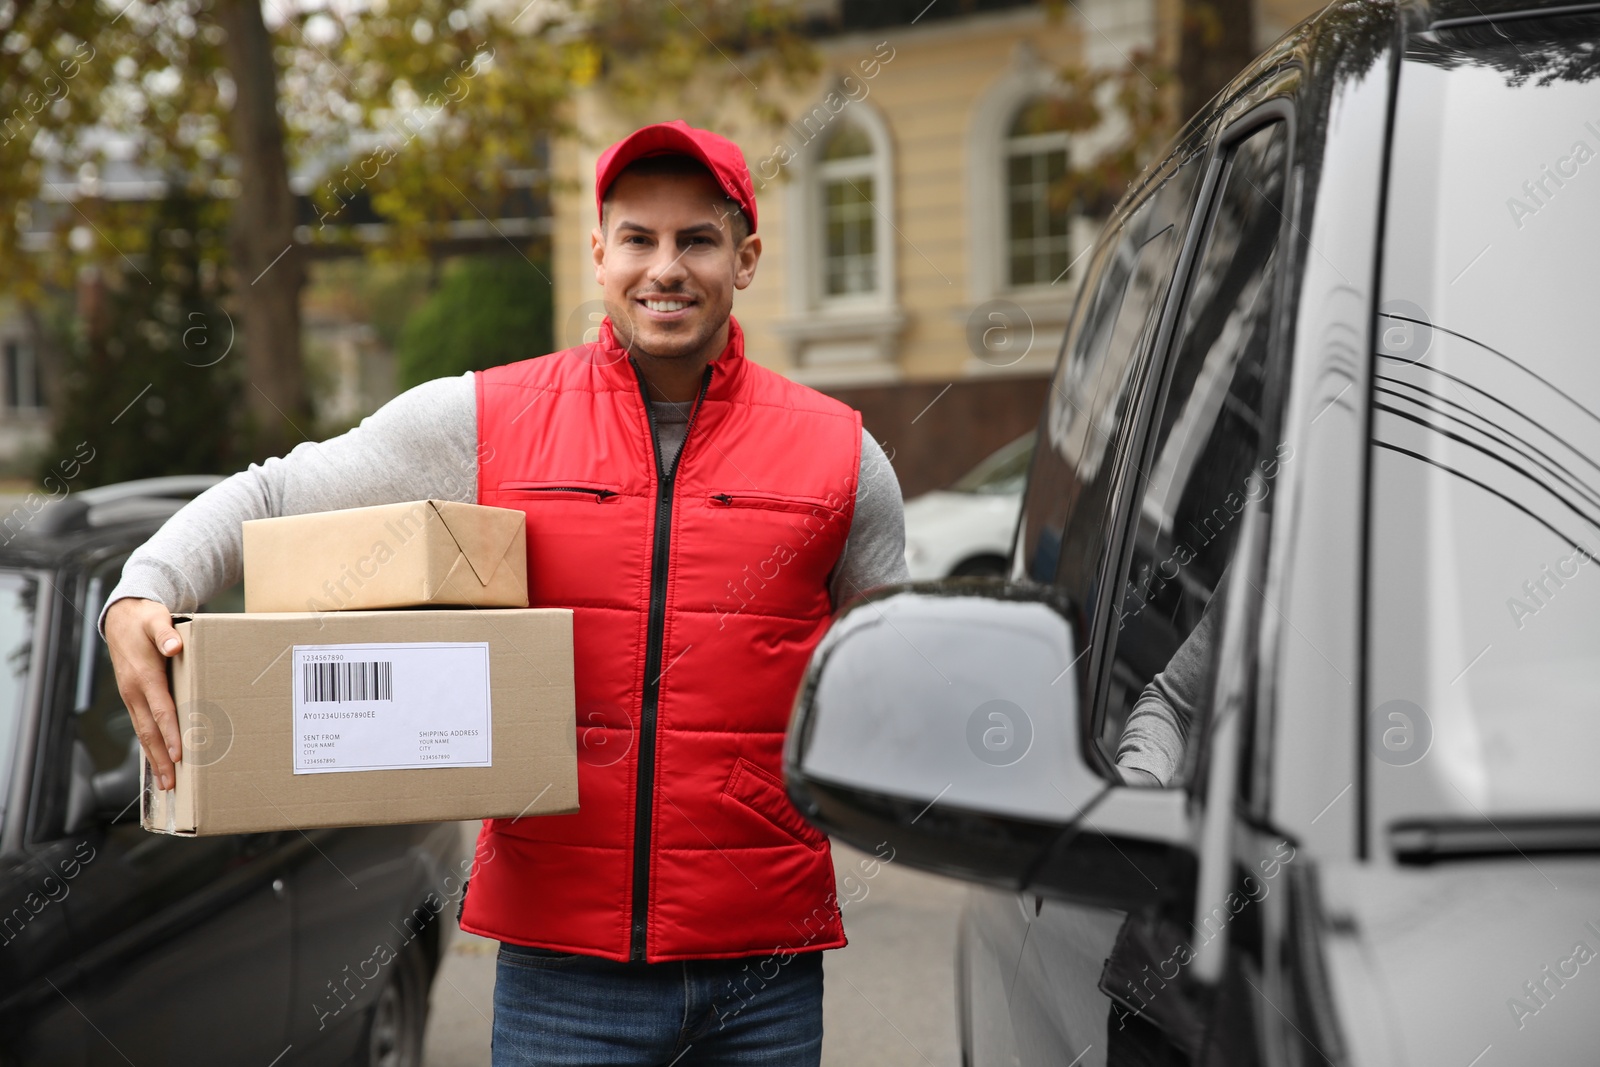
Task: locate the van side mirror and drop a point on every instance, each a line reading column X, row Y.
column 944, row 719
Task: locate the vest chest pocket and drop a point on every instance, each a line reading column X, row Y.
column 565, row 489
column 800, row 505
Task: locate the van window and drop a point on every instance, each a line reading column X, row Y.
column 1065, row 517
column 1207, row 457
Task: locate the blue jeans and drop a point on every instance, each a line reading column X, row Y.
column 559, row 1008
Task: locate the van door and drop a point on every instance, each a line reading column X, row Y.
column 1209, row 455
column 1023, row 1000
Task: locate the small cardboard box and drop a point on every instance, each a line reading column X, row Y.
column 417, row 554
column 361, row 718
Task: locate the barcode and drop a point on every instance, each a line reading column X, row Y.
column 372, row 680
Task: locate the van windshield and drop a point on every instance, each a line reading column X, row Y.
column 1483, row 698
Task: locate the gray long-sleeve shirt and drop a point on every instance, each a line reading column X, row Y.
column 1156, row 734
column 423, row 445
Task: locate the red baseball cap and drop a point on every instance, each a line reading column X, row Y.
column 677, row 138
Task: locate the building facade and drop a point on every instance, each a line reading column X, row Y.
column 915, row 263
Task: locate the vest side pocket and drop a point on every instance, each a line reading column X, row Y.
column 763, row 794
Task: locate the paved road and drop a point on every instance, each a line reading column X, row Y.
column 888, row 1000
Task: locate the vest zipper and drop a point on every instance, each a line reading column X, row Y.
column 660, row 560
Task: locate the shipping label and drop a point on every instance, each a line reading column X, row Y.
column 373, row 707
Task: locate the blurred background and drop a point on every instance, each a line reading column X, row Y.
column 231, row 225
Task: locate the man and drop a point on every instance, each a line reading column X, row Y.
column 703, row 517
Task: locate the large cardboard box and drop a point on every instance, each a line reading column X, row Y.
column 421, row 553
column 360, row 718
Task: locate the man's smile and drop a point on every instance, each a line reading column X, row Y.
column 666, row 308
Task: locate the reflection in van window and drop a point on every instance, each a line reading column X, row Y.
column 1208, row 457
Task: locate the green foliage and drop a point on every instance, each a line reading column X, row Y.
column 390, row 292
column 441, row 111
column 151, row 382
column 429, row 112
column 79, row 70
column 488, row 311
column 1142, row 93
column 436, row 110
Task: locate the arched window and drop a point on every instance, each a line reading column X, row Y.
column 846, row 180
column 843, row 320
column 1038, row 219
column 1027, row 240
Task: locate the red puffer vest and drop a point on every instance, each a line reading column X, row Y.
column 697, row 594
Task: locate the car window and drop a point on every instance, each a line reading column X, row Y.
column 19, row 597
column 1207, row 456
column 1064, row 522
column 1484, row 589
column 100, row 719
column 1002, row 473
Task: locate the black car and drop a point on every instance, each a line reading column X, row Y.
column 1307, row 551
column 118, row 945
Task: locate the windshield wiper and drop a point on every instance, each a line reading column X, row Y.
column 1424, row 841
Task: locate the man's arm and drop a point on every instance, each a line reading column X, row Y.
column 423, row 444
column 1157, row 731
column 875, row 551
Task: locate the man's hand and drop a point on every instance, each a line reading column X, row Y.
column 141, row 638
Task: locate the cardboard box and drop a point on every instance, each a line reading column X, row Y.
column 417, row 554
column 431, row 716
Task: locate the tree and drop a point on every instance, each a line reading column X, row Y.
column 151, row 368
column 430, row 109
column 1139, row 95
column 1217, row 39
column 262, row 231
column 1149, row 94
column 489, row 310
